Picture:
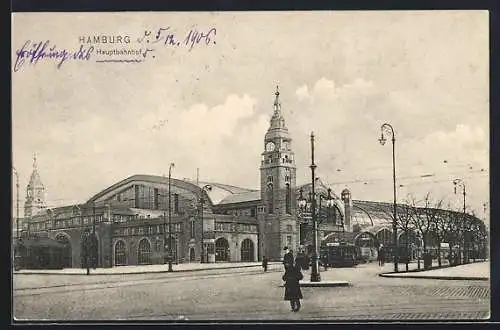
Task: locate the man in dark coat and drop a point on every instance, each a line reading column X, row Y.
column 301, row 260
column 264, row 263
column 288, row 258
column 293, row 293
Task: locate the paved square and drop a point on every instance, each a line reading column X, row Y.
column 246, row 294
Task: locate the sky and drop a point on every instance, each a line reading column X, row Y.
column 340, row 74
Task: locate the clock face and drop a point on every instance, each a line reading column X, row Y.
column 269, row 146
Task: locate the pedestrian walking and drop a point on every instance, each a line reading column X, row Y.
column 288, row 258
column 293, row 293
column 300, row 259
column 381, row 257
column 264, row 263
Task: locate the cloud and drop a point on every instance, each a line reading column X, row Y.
column 202, row 136
column 201, row 108
column 346, row 120
column 303, row 93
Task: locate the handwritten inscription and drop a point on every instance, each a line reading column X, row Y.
column 168, row 37
column 34, row 52
column 114, row 48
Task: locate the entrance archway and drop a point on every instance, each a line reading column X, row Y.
column 66, row 258
column 221, row 250
column 368, row 245
column 144, row 252
column 192, row 255
column 247, row 250
column 384, row 237
column 120, row 253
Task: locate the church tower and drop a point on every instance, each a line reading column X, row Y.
column 35, row 193
column 277, row 216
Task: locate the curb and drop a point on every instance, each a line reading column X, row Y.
column 323, row 284
column 467, row 278
column 133, row 273
column 96, row 283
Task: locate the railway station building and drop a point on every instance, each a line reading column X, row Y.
column 222, row 224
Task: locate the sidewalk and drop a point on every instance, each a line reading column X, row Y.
column 329, row 278
column 473, row 271
column 143, row 269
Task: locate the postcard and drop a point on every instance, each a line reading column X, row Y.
column 250, row 166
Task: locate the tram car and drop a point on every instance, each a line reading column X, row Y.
column 339, row 255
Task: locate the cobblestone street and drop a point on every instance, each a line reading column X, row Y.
column 247, row 294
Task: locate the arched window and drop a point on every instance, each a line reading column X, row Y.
column 247, row 250
column 288, row 199
column 221, row 249
column 120, row 253
column 144, row 252
column 384, row 237
column 192, row 229
column 66, row 252
column 270, row 199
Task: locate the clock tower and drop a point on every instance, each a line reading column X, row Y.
column 277, row 216
column 35, row 193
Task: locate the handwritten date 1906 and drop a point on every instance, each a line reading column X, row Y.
column 169, row 37
column 196, row 37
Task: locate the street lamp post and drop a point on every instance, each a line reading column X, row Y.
column 330, row 204
column 93, row 219
column 305, row 206
column 315, row 276
column 17, row 204
column 170, row 219
column 461, row 183
column 16, row 252
column 387, row 129
column 205, row 188
column 95, row 249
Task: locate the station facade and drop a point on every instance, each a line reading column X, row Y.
column 133, row 224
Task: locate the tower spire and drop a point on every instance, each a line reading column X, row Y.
column 277, row 104
column 35, row 193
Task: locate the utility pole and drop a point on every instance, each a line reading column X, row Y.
column 461, row 182
column 94, row 239
column 388, row 129
column 205, row 188
column 16, row 252
column 170, row 219
column 315, row 276
column 17, row 203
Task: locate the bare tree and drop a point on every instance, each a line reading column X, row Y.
column 481, row 237
column 474, row 233
column 468, row 223
column 457, row 233
column 426, row 218
column 443, row 230
column 475, row 237
column 404, row 221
